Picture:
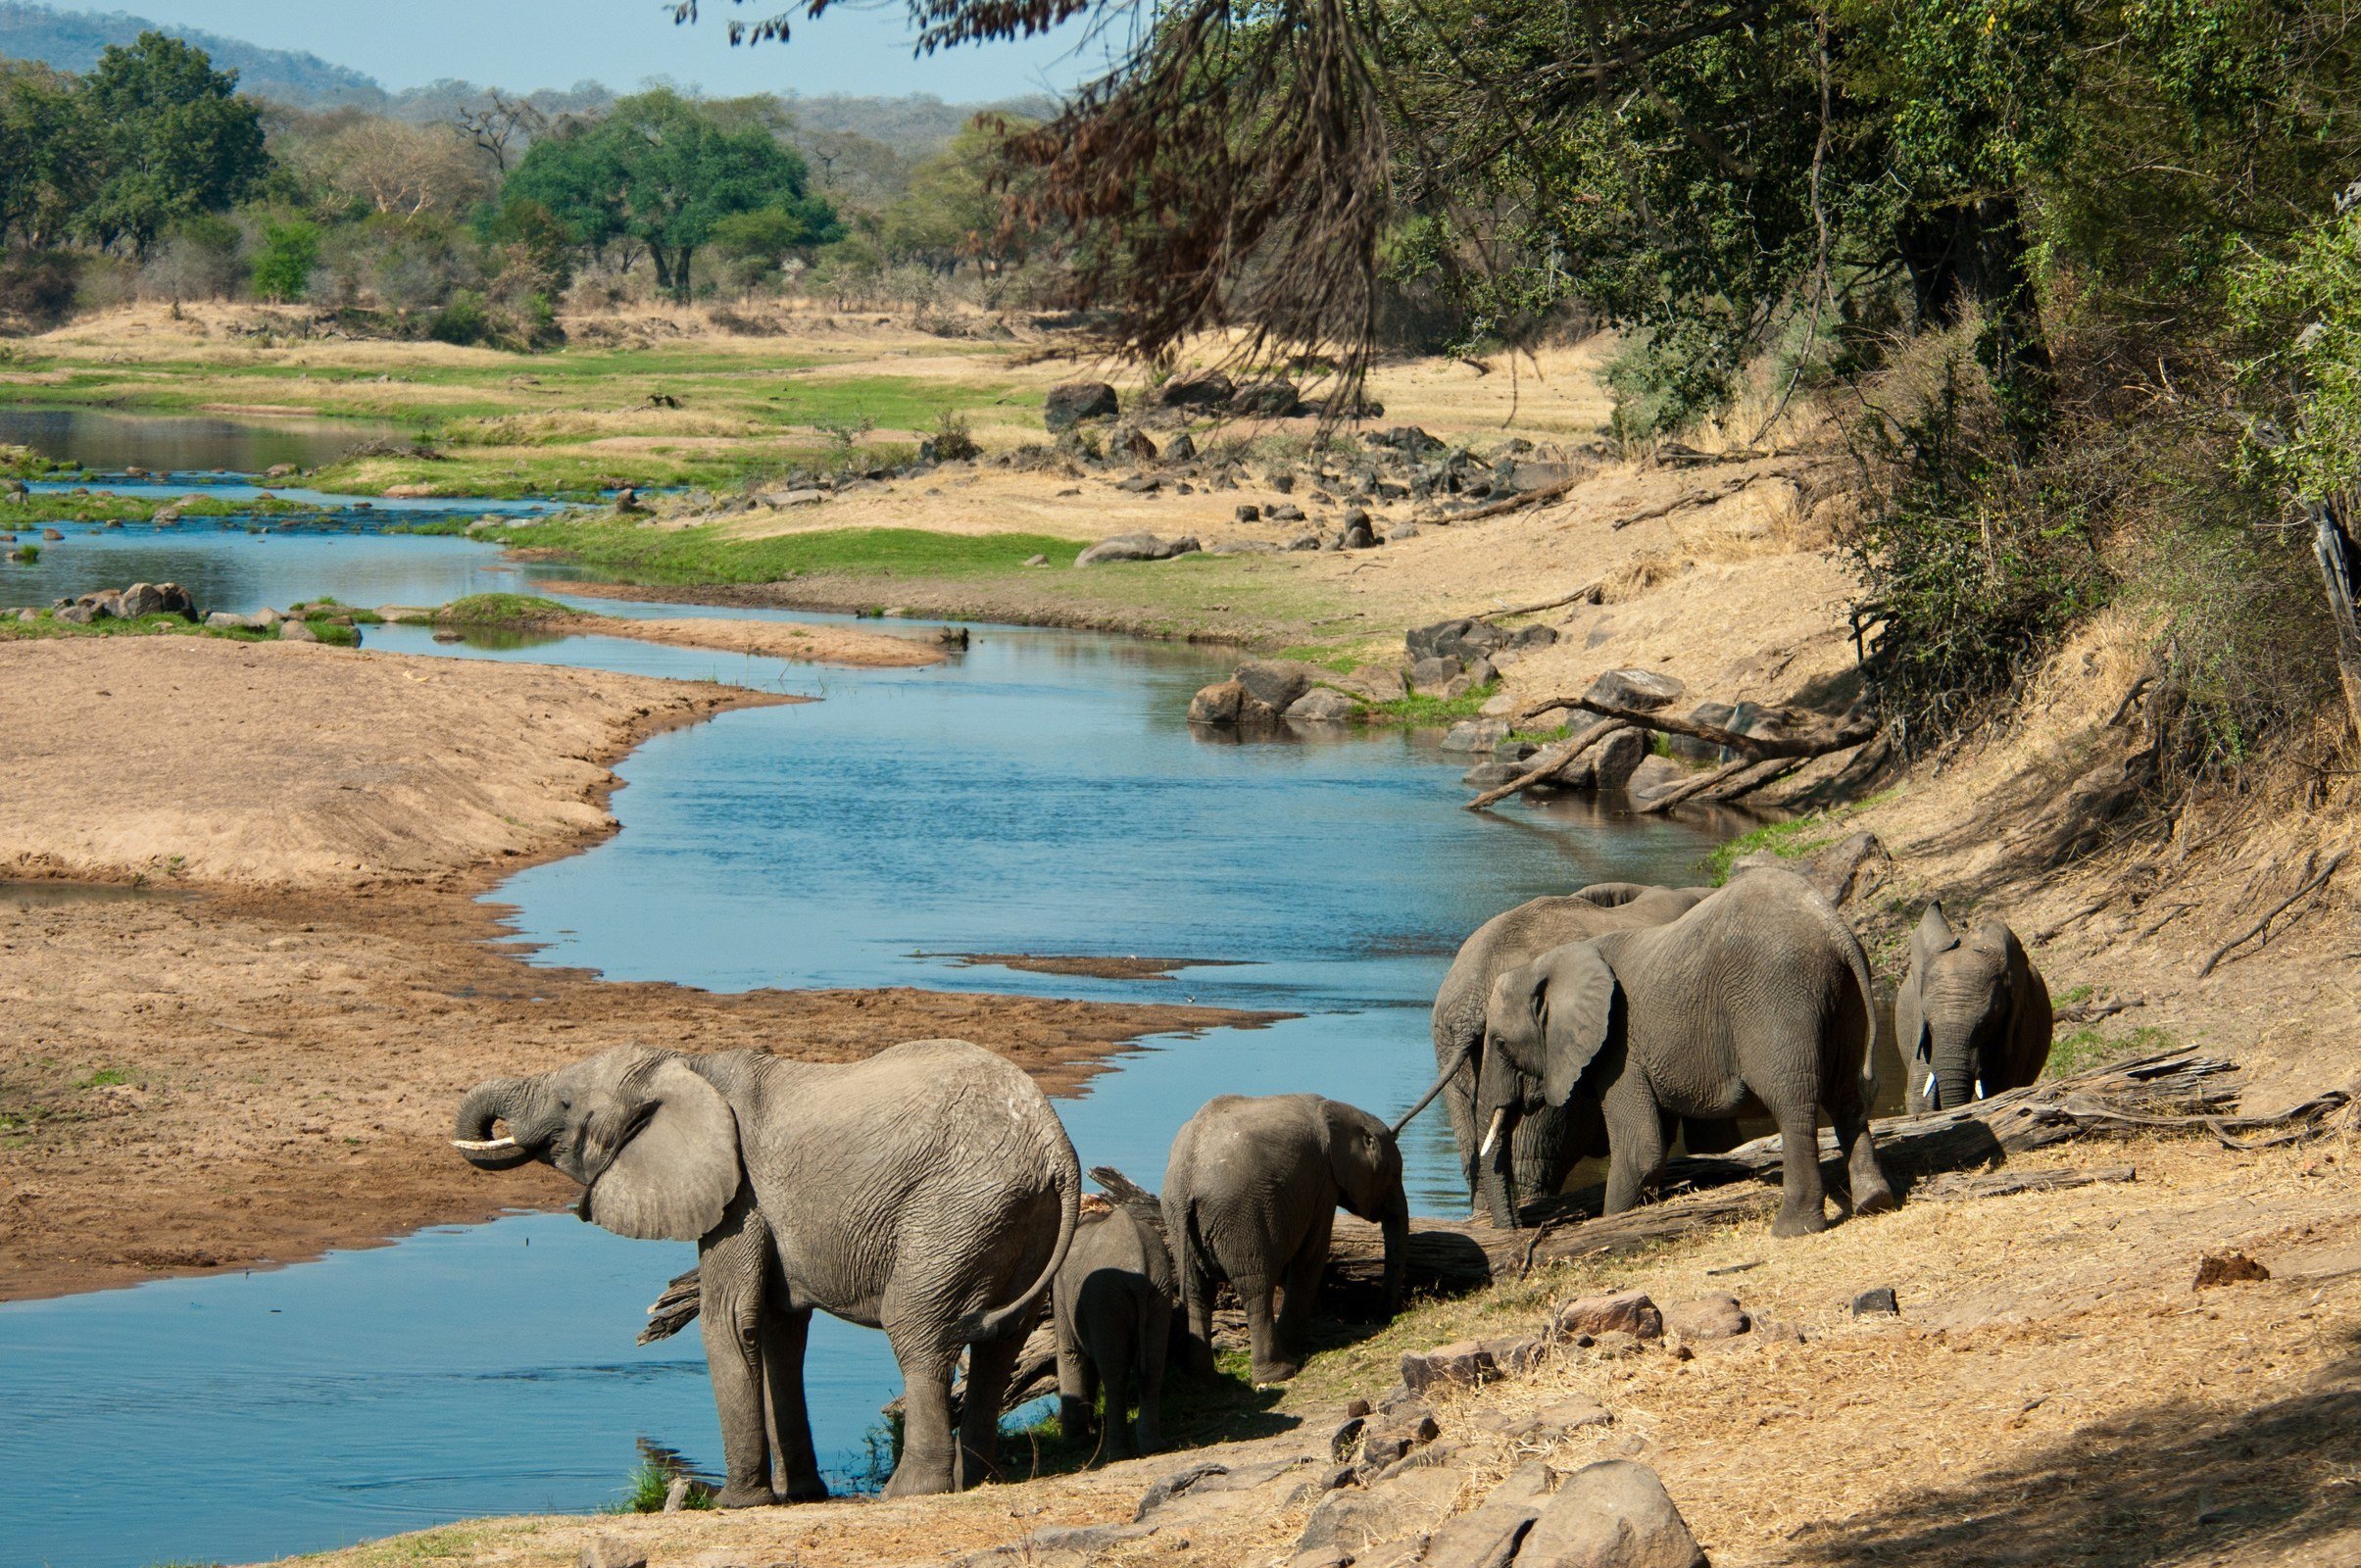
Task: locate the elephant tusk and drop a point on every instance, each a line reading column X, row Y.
column 1928, row 1093
column 1978, row 1089
column 1491, row 1134
column 486, row 1145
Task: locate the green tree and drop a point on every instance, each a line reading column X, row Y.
column 289, row 254
column 663, row 170
column 172, row 138
column 46, row 153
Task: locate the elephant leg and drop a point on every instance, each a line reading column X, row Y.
column 1636, row 1139
column 1866, row 1181
column 1120, row 1355
column 989, row 1367
column 1198, row 1286
column 1156, row 1331
column 731, row 1264
column 1075, row 1380
column 1803, row 1209
column 784, row 1336
column 927, row 1454
column 1300, row 1285
column 1270, row 1362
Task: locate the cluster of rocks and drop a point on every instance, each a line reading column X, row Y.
column 141, row 599
column 1265, row 691
column 1200, row 393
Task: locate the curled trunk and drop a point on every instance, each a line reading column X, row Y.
column 495, row 1100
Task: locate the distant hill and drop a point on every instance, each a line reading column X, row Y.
column 70, row 40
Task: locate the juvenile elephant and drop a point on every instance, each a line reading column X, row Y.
column 1551, row 1140
column 1251, row 1194
column 1758, row 997
column 1972, row 1017
column 929, row 1192
column 1114, row 1302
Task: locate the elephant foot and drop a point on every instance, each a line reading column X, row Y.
column 811, row 1490
column 736, row 1496
column 1877, row 1199
column 1267, row 1373
column 909, row 1480
column 1800, row 1222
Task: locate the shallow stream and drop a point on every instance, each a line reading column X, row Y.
column 1040, row 795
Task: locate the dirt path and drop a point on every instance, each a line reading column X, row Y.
column 249, row 1051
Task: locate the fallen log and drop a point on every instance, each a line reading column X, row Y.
column 1818, row 741
column 1683, row 793
column 1555, row 763
column 1587, row 594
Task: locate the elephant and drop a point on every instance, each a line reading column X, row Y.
column 1113, row 1305
column 928, row 1191
column 1250, row 1194
column 1548, row 1142
column 1758, row 999
column 1972, row 1017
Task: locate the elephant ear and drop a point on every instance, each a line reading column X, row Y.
column 1932, row 936
column 674, row 1179
column 2031, row 1019
column 1361, row 1158
column 1578, row 1005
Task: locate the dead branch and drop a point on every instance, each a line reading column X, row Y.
column 1818, row 741
column 1587, row 594
column 2317, row 879
column 1757, row 775
column 1518, row 503
column 1695, row 498
column 1555, row 764
column 1697, row 786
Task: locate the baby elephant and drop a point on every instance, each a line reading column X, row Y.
column 1114, row 1301
column 1251, row 1194
column 1972, row 1017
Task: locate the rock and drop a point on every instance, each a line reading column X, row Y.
column 280, row 470
column 1464, row 639
column 1217, row 704
column 1141, row 484
column 1625, row 1311
column 1305, row 541
column 1134, row 443
column 627, row 499
column 1482, row 671
column 677, row 1494
column 1616, row 759
column 799, row 497
column 1708, row 1317
column 1696, row 751
column 224, row 621
column 1535, row 636
column 1200, row 389
column 612, row 1552
column 1286, row 511
column 1406, row 438
column 75, row 615
column 1612, row 1514
column 1073, row 402
column 1353, row 1518
column 1182, row 447
column 1249, row 512
column 1645, row 690
column 1487, row 1536
column 1037, row 560
column 1492, row 775
column 1425, row 674
column 1466, row 1365
column 1134, row 547
column 1878, row 1302
column 295, row 631
column 52, row 535
column 1572, row 1415
column 169, row 517
column 2225, row 1268
column 1274, row 399
column 1276, row 683
column 1401, row 531
column 448, row 636
column 1465, row 736
column 1655, row 776
column 1322, row 706
column 156, row 599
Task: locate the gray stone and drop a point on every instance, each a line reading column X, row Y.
column 1644, row 690
column 1322, row 704
column 1482, row 671
column 1572, row 1415
column 677, row 1494
column 1287, row 512
column 1401, row 531
column 1708, row 1317
column 1134, row 547
column 1073, row 402
column 1655, row 776
column 612, row 1552
column 76, row 614
column 1709, row 713
column 1535, row 636
column 1488, row 1535
column 295, row 631
column 1037, row 560
column 52, row 535
column 1248, row 512
column 1353, row 1518
column 1278, row 682
column 1464, row 639
column 224, row 621
column 1625, row 1311
column 1305, row 541
column 1878, row 1302
column 1200, row 389
column 1616, row 759
column 1273, row 399
column 1466, row 1365
column 1427, row 674
column 1612, row 1514
column 1492, row 775
column 1182, row 447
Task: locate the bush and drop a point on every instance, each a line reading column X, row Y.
column 38, row 286
column 289, row 254
column 954, row 441
column 462, row 322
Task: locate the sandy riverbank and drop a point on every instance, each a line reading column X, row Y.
column 251, row 1055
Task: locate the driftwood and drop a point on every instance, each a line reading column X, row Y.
column 2334, row 551
column 1587, row 594
column 1518, row 503
column 1695, row 498
column 2317, row 880
column 1551, row 764
column 1698, row 786
column 1817, row 741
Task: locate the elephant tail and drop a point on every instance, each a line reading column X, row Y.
column 998, row 1322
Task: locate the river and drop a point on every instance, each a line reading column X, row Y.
column 1040, row 793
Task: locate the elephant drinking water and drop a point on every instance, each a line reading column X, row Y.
column 929, row 1192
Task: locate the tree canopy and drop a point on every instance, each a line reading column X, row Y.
column 170, row 137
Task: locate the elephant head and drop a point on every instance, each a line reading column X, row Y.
column 653, row 1143
column 1971, row 1017
column 1366, row 1163
column 1543, row 1025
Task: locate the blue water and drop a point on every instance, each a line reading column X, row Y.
column 1040, row 794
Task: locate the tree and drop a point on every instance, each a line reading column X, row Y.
column 406, row 170
column 45, row 153
column 951, row 212
column 289, row 254
column 665, row 170
column 496, row 121
column 171, row 138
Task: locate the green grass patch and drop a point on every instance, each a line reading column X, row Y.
column 645, row 1493
column 59, row 505
column 1420, row 712
column 105, row 1078
column 710, row 555
column 2085, row 1048
column 1789, row 840
column 1325, row 655
column 500, row 609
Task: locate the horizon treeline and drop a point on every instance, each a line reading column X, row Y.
column 151, row 176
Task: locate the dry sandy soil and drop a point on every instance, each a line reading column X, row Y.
column 756, row 639
column 249, row 1052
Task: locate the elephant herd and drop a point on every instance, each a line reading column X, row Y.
column 931, row 1190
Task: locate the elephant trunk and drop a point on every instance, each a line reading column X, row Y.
column 494, row 1099
column 1500, row 1101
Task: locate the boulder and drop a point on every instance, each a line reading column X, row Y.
column 610, row 1552
column 1625, row 1311
column 1182, row 447
column 1305, row 541
column 1432, row 674
column 1217, row 704
column 1286, row 511
column 295, row 631
column 75, row 615
column 1406, row 438
column 1536, row 635
column 1878, row 1302
column 1249, row 512
column 1466, row 1365
column 1352, row 1518
column 1276, row 683
column 1708, row 1317
column 1134, row 443
column 52, row 535
column 1401, row 531
column 1572, row 1415
column 156, row 599
column 1612, row 1514
column 1696, row 751
column 1322, row 706
column 2214, row 1269
column 1199, row 390
column 1655, row 776
column 1492, row 775
column 1073, row 402
column 1475, row 735
column 1616, row 759
column 1273, row 399
column 1645, row 690
column 1487, row 1536
column 1464, row 639
column 1387, row 1439
column 1135, row 547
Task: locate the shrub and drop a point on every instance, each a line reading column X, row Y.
column 954, row 441
column 289, row 254
column 462, row 322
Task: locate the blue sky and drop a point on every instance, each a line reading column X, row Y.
column 522, row 44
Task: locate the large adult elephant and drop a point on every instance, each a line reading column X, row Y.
column 929, row 1192
column 1251, row 1194
column 1548, row 1142
column 1757, row 1001
column 1973, row 1016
